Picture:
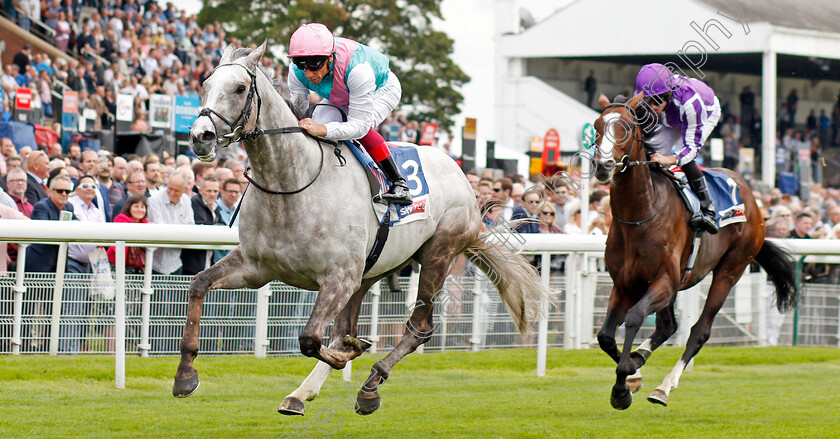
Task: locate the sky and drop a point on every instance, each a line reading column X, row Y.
column 471, row 24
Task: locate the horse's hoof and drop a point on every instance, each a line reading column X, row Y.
column 634, row 384
column 291, row 406
column 658, row 397
column 621, row 399
column 359, row 344
column 186, row 387
column 367, row 405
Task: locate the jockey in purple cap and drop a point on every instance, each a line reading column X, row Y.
column 688, row 111
column 354, row 77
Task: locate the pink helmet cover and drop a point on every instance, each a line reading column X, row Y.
column 312, row 39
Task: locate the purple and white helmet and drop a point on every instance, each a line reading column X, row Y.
column 655, row 79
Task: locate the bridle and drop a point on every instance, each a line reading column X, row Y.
column 625, row 163
column 237, row 133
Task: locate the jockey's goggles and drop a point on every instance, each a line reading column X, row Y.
column 310, row 62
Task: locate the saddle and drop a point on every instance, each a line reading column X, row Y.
column 729, row 208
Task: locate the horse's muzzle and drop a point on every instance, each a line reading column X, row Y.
column 203, row 139
column 604, row 170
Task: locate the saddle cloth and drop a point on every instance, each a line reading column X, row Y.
column 407, row 159
column 729, row 208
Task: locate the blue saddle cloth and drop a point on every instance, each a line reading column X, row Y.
column 408, row 160
column 729, row 208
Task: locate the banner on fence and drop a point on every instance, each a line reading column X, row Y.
column 125, row 108
column 428, row 133
column 186, row 112
column 23, row 99
column 70, row 110
column 160, row 107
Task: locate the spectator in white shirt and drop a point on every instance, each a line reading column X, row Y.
column 170, row 207
column 75, row 301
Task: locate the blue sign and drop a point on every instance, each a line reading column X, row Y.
column 186, row 112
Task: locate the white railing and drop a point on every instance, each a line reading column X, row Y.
column 580, row 306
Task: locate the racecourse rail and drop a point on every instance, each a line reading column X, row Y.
column 582, row 279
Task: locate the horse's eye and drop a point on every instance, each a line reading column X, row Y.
column 240, row 89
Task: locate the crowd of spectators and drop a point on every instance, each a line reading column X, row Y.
column 133, row 47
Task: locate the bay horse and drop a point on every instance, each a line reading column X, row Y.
column 311, row 225
column 648, row 249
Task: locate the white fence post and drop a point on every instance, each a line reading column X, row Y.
column 542, row 332
column 759, row 294
column 411, row 298
column 119, row 317
column 55, row 322
column 477, row 326
column 375, row 291
column 570, row 307
column 261, row 325
column 19, row 289
column 586, row 302
column 688, row 305
column 146, row 303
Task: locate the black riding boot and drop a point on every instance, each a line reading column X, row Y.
column 707, row 209
column 398, row 193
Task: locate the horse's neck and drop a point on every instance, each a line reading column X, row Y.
column 280, row 162
column 632, row 194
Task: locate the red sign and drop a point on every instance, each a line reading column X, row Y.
column 23, row 99
column 71, row 102
column 428, row 133
column 551, row 147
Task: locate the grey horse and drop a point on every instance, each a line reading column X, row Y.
column 318, row 232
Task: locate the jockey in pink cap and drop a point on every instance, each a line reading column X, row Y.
column 689, row 112
column 352, row 76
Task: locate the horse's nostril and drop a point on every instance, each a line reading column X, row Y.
column 207, row 137
column 610, row 163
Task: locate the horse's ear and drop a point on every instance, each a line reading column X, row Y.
column 603, row 100
column 633, row 103
column 254, row 57
column 227, row 54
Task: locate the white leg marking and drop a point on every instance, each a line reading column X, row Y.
column 673, row 378
column 311, row 386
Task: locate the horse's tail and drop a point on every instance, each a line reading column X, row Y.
column 781, row 267
column 517, row 281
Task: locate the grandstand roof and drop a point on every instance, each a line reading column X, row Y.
column 821, row 15
column 653, row 27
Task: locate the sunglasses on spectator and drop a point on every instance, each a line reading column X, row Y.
column 497, row 189
column 547, row 213
column 310, row 62
column 86, row 186
column 63, row 191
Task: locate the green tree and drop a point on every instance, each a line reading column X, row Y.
column 420, row 56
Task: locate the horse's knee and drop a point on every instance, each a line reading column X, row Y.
column 200, row 285
column 606, row 341
column 309, row 344
column 635, row 319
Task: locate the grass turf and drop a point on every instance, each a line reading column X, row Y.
column 731, row 392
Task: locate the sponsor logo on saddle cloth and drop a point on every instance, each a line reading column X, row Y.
column 729, row 208
column 406, row 157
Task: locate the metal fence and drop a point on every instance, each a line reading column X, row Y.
column 471, row 317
